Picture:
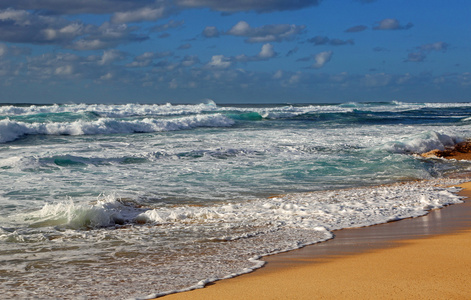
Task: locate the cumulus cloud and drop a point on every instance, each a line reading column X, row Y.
column 267, row 52
column 105, row 36
column 210, row 32
column 260, row 6
column 111, row 56
column 58, row 66
column 321, row 59
column 139, row 15
column 391, row 24
column 146, row 59
column 266, row 33
column 438, row 46
column 21, row 26
column 357, row 28
column 424, row 50
column 219, row 62
column 323, row 40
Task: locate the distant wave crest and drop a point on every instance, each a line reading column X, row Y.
column 11, row 130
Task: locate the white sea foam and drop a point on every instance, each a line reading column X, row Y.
column 109, row 110
column 11, row 130
column 134, row 109
column 234, row 235
column 329, row 209
column 423, row 142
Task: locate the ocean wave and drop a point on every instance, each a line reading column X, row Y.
column 422, row 142
column 11, row 130
column 111, row 110
column 323, row 209
column 57, row 113
column 104, row 212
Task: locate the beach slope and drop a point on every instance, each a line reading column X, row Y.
column 419, row 258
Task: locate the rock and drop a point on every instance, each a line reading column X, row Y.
column 457, row 150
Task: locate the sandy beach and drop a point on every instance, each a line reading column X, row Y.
column 421, row 258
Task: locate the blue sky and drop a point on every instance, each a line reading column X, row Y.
column 239, row 51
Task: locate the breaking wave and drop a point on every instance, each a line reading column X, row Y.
column 11, row 130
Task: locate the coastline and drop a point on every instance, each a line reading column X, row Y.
column 425, row 258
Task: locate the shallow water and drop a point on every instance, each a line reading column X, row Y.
column 131, row 200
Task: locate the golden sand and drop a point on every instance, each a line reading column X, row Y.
column 395, row 263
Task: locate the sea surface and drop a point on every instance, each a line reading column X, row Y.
column 133, row 201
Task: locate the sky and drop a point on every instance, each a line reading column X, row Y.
column 238, row 51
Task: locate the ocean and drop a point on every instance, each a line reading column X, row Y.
column 132, row 201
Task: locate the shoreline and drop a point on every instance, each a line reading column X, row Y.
column 423, row 257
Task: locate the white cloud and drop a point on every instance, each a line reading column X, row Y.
column 210, row 32
column 424, row 50
column 139, row 15
column 64, row 70
column 219, row 62
column 19, row 17
column 110, row 56
column 105, row 36
column 266, row 33
column 20, row 26
column 241, row 28
column 107, row 76
column 89, row 44
column 139, row 64
column 322, row 58
column 438, row 46
column 267, row 52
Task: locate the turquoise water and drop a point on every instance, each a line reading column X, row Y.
column 185, row 194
